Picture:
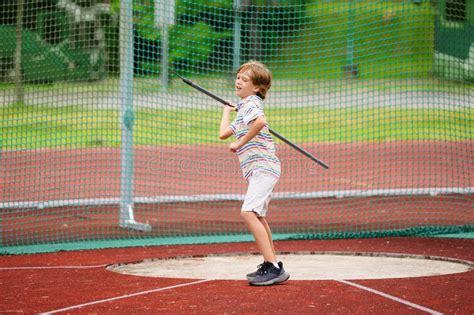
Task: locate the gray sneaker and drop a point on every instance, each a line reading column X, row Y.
column 252, row 275
column 268, row 274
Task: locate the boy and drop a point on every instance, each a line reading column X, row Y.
column 260, row 165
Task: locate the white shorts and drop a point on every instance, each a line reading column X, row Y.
column 259, row 193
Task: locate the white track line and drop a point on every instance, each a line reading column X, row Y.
column 51, row 267
column 124, row 296
column 433, row 191
column 391, row 297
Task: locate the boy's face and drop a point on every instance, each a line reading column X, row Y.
column 244, row 85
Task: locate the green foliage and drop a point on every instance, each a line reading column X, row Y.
column 391, row 40
column 266, row 27
column 192, row 45
column 31, row 42
column 115, row 6
column 297, row 38
column 213, row 12
column 193, row 39
column 143, row 19
column 204, row 29
column 40, row 62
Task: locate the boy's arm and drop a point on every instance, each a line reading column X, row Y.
column 225, row 131
column 255, row 128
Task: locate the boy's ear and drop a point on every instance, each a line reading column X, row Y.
column 256, row 89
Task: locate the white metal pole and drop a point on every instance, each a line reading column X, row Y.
column 164, row 18
column 237, row 34
column 164, row 57
column 127, row 219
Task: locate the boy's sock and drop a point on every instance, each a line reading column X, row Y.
column 275, row 264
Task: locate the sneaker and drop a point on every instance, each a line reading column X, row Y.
column 268, row 274
column 252, row 275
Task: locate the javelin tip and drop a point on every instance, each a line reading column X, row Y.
column 177, row 74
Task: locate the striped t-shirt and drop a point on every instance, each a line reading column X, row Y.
column 259, row 153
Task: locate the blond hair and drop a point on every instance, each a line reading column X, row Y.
column 261, row 76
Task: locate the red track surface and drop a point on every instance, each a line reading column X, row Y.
column 42, row 175
column 287, row 216
column 62, row 174
column 89, row 173
column 40, row 290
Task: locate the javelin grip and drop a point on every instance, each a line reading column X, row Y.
column 273, row 132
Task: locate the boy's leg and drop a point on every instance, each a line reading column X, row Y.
column 260, row 232
column 254, row 210
column 269, row 232
column 270, row 272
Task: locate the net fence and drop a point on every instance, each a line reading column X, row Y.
column 102, row 145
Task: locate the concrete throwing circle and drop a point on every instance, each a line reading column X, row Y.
column 300, row 266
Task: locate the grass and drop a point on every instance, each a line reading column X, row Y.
column 71, row 127
column 221, row 80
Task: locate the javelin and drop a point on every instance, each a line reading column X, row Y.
column 273, row 132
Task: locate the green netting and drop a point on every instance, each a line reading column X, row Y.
column 103, row 146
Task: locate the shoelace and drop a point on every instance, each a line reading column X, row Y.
column 263, row 268
column 259, row 269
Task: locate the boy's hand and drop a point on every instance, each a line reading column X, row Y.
column 231, row 107
column 234, row 146
column 255, row 128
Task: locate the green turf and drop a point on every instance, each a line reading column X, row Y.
column 424, row 231
column 457, row 235
column 73, row 127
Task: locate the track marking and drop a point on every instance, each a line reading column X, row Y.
column 124, row 297
column 51, row 267
column 391, row 297
column 351, row 182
